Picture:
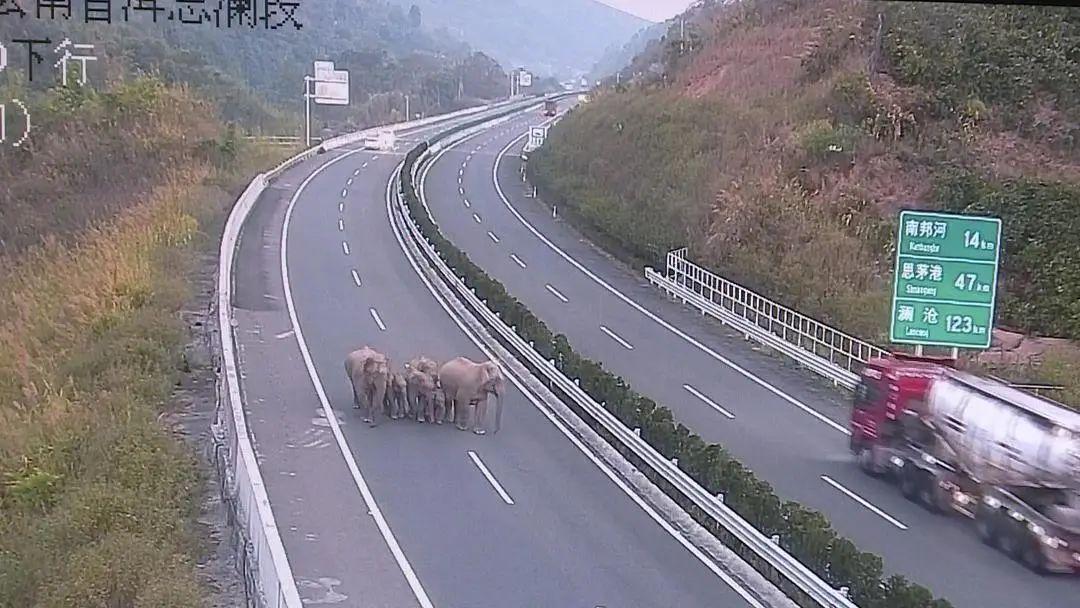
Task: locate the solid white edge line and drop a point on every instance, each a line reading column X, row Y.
column 491, row 478
column 378, row 320
column 668, row 326
column 350, row 461
column 345, row 247
column 555, row 292
column 693, row 391
column 558, row 423
column 604, row 468
column 617, row 338
column 493, row 237
column 356, row 277
column 862, row 501
column 517, row 260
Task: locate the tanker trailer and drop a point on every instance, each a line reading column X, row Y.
column 1005, row 458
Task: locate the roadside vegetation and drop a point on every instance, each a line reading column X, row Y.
column 102, row 218
column 781, row 141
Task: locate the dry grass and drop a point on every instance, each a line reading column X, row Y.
column 89, row 341
column 97, row 500
column 94, row 152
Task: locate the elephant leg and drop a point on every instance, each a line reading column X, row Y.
column 364, row 403
column 380, row 396
column 429, row 408
column 355, row 398
column 410, row 400
column 439, row 410
column 461, row 411
column 481, row 411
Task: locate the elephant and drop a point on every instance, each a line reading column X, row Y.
column 439, row 400
column 466, row 384
column 368, row 371
column 421, row 377
column 395, row 404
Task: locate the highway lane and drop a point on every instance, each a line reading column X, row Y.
column 519, row 518
column 780, row 422
column 320, row 516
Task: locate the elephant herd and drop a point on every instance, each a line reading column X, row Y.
column 455, row 391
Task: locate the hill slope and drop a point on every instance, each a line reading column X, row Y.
column 550, row 37
column 797, row 128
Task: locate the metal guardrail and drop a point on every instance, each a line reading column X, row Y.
column 268, row 578
column 808, row 582
column 821, row 348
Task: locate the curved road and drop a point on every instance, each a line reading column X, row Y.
column 411, row 514
column 784, row 424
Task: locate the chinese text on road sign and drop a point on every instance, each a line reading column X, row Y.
column 265, row 14
column 946, row 279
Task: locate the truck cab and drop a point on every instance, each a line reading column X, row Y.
column 890, row 390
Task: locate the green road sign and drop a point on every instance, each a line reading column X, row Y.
column 945, row 284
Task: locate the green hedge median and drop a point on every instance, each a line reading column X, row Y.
column 804, row 533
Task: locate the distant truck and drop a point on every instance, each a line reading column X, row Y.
column 550, row 107
column 380, row 140
column 960, row 443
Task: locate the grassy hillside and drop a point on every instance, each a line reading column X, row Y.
column 97, row 500
column 798, row 128
column 551, row 37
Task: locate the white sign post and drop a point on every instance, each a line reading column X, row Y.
column 331, row 89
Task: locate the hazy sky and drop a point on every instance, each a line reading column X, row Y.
column 653, row 10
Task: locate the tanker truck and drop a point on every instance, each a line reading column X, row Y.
column 965, row 445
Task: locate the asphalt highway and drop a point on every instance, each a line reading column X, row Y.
column 407, row 513
column 786, row 425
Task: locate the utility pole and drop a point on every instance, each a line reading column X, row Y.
column 407, row 115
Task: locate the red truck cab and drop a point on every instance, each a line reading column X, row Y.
column 888, row 387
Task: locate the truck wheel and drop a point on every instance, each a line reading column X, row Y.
column 909, row 484
column 929, row 493
column 1033, row 558
column 1009, row 542
column 985, row 525
column 865, row 457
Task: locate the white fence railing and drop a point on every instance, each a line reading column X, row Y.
column 821, row 348
column 268, row 578
column 789, row 567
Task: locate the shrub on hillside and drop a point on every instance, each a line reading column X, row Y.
column 822, row 141
column 1000, row 54
column 1041, row 248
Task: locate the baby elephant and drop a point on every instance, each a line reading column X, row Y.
column 396, row 403
column 422, row 382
